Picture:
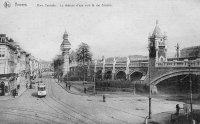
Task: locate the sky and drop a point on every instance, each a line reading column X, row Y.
column 119, row 29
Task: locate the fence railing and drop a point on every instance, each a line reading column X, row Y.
column 185, row 63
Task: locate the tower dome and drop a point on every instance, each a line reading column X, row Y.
column 65, row 35
column 66, row 45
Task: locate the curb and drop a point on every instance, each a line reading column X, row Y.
column 83, row 94
column 69, row 91
column 12, row 98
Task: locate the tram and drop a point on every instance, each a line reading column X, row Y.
column 42, row 90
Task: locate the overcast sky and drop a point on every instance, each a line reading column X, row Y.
column 119, row 30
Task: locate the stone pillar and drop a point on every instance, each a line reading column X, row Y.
column 65, row 47
column 154, row 89
column 113, row 76
column 102, row 74
column 66, row 63
column 128, row 77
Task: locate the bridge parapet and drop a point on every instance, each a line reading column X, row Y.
column 99, row 65
column 120, row 65
column 108, row 65
column 185, row 63
column 138, row 64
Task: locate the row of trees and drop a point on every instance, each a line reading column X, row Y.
column 82, row 56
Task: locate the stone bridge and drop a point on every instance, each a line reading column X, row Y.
column 165, row 70
column 153, row 69
column 137, row 69
column 120, row 68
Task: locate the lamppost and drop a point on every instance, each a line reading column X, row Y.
column 134, row 87
column 149, row 91
column 94, row 83
column 190, row 81
column 95, row 70
column 67, row 80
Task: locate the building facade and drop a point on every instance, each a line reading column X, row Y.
column 193, row 52
column 16, row 66
column 65, row 47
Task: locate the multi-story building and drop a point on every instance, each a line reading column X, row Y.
column 8, row 65
column 16, row 66
column 190, row 52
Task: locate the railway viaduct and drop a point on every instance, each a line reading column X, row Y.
column 152, row 69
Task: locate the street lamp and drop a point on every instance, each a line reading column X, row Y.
column 149, row 91
column 95, row 70
column 190, row 81
column 94, row 83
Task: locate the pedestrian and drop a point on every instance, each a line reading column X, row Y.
column 14, row 93
column 69, row 86
column 104, row 98
column 178, row 109
column 66, row 85
column 186, row 109
column 84, row 90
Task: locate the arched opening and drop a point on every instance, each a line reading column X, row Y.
column 121, row 75
column 108, row 75
column 2, row 89
column 99, row 75
column 162, row 59
column 136, row 76
column 179, row 85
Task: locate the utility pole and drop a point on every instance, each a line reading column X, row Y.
column 149, row 91
column 95, row 70
column 94, row 83
column 83, row 64
column 134, row 87
column 190, row 81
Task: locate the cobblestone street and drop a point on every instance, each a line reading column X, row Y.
column 62, row 107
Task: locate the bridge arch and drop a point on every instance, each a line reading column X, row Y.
column 121, row 75
column 136, row 76
column 2, row 88
column 108, row 75
column 99, row 75
column 173, row 74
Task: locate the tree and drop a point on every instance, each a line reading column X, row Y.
column 83, row 56
column 72, row 57
column 57, row 64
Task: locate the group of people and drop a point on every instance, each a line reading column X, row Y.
column 69, row 86
column 186, row 109
column 14, row 92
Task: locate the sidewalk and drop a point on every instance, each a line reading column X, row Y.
column 9, row 97
column 162, row 118
column 171, row 118
column 21, row 90
column 72, row 89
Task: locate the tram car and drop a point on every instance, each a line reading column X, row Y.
column 42, row 90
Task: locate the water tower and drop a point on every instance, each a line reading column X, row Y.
column 65, row 47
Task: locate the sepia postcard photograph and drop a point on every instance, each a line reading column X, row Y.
column 99, row 62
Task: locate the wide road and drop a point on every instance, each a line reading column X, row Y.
column 61, row 107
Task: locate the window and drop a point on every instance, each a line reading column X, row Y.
column 41, row 88
column 2, row 52
column 2, row 40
